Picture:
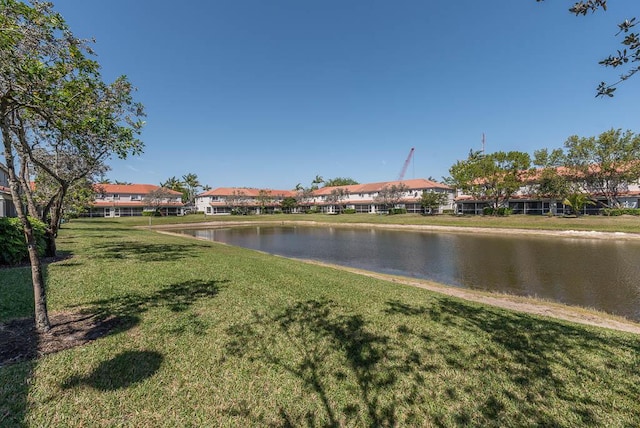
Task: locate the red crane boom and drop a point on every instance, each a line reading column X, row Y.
column 406, row 165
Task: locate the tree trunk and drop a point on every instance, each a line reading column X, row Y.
column 24, row 182
column 51, row 248
column 39, row 292
column 53, row 223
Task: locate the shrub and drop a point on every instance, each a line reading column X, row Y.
column 13, row 248
column 621, row 211
column 450, row 212
column 393, row 211
column 502, row 211
column 349, row 211
column 152, row 213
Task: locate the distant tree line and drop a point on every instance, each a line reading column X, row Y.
column 604, row 165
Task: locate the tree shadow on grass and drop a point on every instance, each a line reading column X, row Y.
column 542, row 360
column 20, row 341
column 20, row 344
column 104, row 229
column 319, row 333
column 145, row 252
column 121, row 371
column 177, row 297
column 444, row 363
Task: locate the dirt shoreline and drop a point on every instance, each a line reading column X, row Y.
column 586, row 234
column 515, row 303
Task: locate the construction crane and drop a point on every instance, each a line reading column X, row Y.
column 406, row 165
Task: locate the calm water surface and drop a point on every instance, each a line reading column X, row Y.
column 593, row 273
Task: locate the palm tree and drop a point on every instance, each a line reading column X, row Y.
column 172, row 183
column 317, row 181
column 577, row 201
column 192, row 184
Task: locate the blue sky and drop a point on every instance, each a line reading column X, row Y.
column 271, row 93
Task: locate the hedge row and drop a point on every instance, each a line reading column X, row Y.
column 621, row 211
column 13, row 248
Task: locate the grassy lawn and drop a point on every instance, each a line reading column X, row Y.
column 538, row 222
column 212, row 335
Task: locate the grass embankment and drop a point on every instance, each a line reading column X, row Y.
column 627, row 224
column 213, row 335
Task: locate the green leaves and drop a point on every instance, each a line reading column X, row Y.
column 583, row 7
column 431, row 200
column 577, row 201
column 494, row 176
column 623, row 56
column 339, row 181
column 59, row 115
column 604, row 165
column 13, row 248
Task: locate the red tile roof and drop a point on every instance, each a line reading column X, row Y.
column 414, row 184
column 130, row 189
column 245, row 191
column 133, row 204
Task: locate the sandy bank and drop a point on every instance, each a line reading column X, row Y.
column 427, row 228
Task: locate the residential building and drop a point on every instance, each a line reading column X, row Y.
column 124, row 200
column 370, row 197
column 226, row 200
column 7, row 209
column 525, row 201
column 363, row 198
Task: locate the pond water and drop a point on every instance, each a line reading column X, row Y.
column 600, row 274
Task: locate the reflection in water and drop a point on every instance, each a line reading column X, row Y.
column 586, row 272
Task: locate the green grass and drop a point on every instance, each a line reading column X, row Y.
column 212, row 335
column 536, row 222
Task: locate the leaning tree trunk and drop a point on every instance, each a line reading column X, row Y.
column 39, row 292
column 37, row 278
